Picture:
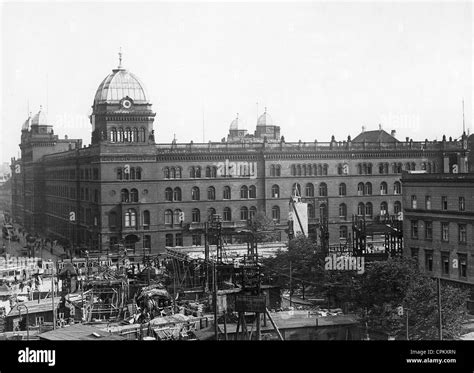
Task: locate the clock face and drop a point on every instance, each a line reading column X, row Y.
column 126, row 104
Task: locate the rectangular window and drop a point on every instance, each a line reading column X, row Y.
column 147, row 242
column 413, row 202
column 179, row 239
column 428, row 202
column 444, row 203
column 414, row 229
column 445, row 263
column 462, row 204
column 428, row 230
column 462, row 265
column 429, row 260
column 462, row 229
column 445, row 232
column 196, row 240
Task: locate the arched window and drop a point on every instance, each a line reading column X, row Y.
column 195, row 216
column 278, row 170
column 311, row 211
column 178, row 172
column 119, row 173
column 309, row 190
column 343, row 211
column 369, row 211
column 227, row 192
column 310, row 170
column 323, row 190
column 296, row 190
column 177, row 216
column 244, row 213
column 369, row 168
column 383, row 188
column 325, row 169
column 198, row 172
column 360, row 209
column 383, row 208
column 272, row 170
column 113, row 220
column 360, row 189
column 120, row 135
column 323, row 211
column 146, row 219
column 380, row 168
column 364, row 168
column 173, row 173
column 208, row 171
column 177, row 194
column 214, row 171
column 343, row 232
column 132, row 173
column 397, row 187
column 397, row 207
column 142, row 135
column 125, row 195
column 320, row 169
column 359, row 168
column 298, row 170
column 127, row 134
column 276, row 214
column 368, row 189
column 135, row 135
column 342, row 189
column 413, row 166
column 130, row 218
column 252, row 212
column 168, row 194
column 192, row 172
column 169, row 240
column 244, row 192
column 293, row 170
column 166, row 172
column 340, row 169
column 138, row 173
column 275, row 191
column 252, row 191
column 134, row 195
column 113, row 136
column 407, row 166
column 211, row 193
column 227, row 214
column 195, row 195
column 304, row 170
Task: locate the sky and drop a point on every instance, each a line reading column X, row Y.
column 320, row 68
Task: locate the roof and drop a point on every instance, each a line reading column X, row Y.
column 119, row 84
column 234, row 125
column 375, row 136
column 39, row 119
column 265, row 119
column 33, row 306
column 79, row 332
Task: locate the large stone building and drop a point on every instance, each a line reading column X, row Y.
column 126, row 188
column 439, row 225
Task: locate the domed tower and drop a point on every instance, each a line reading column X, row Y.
column 121, row 112
column 266, row 128
column 236, row 133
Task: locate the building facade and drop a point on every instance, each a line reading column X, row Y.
column 126, row 188
column 439, row 225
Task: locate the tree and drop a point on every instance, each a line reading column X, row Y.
column 387, row 285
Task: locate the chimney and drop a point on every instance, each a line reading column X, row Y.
column 393, row 133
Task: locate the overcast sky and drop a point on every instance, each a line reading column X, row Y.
column 320, row 68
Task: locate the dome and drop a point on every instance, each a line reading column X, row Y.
column 119, row 84
column 234, row 125
column 265, row 119
column 40, row 118
column 26, row 125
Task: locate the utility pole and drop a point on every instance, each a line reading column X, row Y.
column 214, row 286
column 439, row 310
column 290, row 283
column 52, row 299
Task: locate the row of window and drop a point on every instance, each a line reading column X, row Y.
column 129, row 173
column 309, row 169
column 70, row 174
column 176, row 217
column 175, row 194
column 444, row 231
column 127, row 135
column 362, row 189
column 444, row 203
column 367, row 210
column 460, row 262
